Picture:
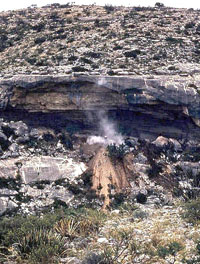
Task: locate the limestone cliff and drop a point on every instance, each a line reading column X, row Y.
column 143, row 106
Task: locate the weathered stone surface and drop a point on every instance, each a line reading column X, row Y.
column 8, row 168
column 6, row 205
column 41, row 168
column 7, row 193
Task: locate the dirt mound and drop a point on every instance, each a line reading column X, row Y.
column 108, row 174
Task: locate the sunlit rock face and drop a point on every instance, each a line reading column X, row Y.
column 141, row 106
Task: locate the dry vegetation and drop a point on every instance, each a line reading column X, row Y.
column 128, row 234
column 99, row 40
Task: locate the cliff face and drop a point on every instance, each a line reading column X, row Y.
column 48, row 121
column 142, row 106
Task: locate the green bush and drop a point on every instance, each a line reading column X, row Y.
column 116, row 151
column 192, row 211
column 171, row 249
column 109, row 8
column 40, row 245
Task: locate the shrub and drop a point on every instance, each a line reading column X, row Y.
column 192, row 211
column 132, row 53
column 74, row 227
column 67, row 228
column 94, row 258
column 87, row 178
column 79, row 69
column 170, row 249
column 189, row 25
column 40, row 40
column 159, row 5
column 31, row 238
column 173, row 40
column 109, row 8
column 41, row 245
column 116, row 151
column 9, row 183
column 117, row 199
column 139, row 214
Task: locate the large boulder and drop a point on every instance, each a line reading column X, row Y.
column 41, row 168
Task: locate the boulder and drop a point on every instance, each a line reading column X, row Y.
column 20, row 128
column 6, row 205
column 50, row 168
column 161, row 142
column 3, row 140
column 175, row 145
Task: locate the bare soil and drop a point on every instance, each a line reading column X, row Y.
column 108, row 174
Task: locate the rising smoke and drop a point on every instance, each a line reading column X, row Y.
column 107, row 131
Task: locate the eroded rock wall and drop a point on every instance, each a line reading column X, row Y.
column 142, row 106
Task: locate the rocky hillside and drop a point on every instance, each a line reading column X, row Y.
column 60, row 110
column 99, row 40
column 99, row 135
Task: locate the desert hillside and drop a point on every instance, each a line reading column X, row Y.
column 99, row 40
column 100, row 135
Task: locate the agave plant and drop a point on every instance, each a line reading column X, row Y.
column 67, row 228
column 40, row 245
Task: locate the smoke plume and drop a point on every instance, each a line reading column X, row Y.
column 107, row 132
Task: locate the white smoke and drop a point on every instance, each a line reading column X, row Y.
column 108, row 132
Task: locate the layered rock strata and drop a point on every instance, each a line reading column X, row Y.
column 142, row 106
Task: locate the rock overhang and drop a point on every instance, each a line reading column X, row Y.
column 171, row 98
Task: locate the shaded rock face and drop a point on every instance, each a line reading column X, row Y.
column 141, row 106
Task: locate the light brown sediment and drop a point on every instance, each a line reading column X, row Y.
column 107, row 173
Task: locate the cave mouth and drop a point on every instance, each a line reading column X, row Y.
column 142, row 122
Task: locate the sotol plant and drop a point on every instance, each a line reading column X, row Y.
column 116, row 152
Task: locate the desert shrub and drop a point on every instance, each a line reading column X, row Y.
column 141, row 198
column 155, row 169
column 189, row 25
column 110, row 72
column 139, row 214
column 117, row 200
column 159, row 5
column 9, row 183
column 198, row 247
column 94, row 258
column 40, row 184
column 40, row 40
column 59, row 204
column 132, row 53
column 87, row 178
column 35, row 239
column 173, row 40
column 79, row 69
column 39, row 27
column 31, row 238
column 67, row 228
column 40, row 245
column 109, row 8
column 81, row 225
column 192, row 211
column 192, row 155
column 171, row 249
column 116, row 151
